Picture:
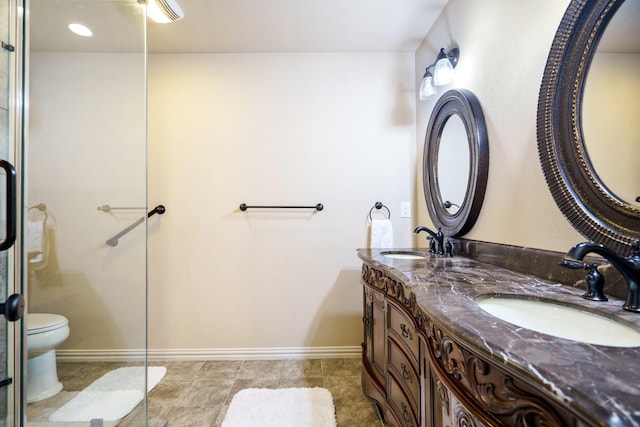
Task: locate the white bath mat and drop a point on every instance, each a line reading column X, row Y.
column 111, row 396
column 286, row 407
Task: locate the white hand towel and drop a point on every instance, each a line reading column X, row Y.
column 381, row 234
column 35, row 241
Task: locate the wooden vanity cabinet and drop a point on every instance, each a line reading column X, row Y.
column 422, row 376
column 393, row 360
column 396, row 370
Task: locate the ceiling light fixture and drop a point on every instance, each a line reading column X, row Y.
column 164, row 11
column 80, row 30
column 442, row 74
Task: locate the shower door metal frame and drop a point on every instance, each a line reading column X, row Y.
column 16, row 331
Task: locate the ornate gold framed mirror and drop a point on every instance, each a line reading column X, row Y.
column 594, row 193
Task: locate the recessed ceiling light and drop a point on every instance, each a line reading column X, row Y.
column 80, row 30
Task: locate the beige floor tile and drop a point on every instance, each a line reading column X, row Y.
column 358, row 415
column 261, row 369
column 204, row 393
column 70, row 368
column 193, row 417
column 227, row 369
column 345, row 390
column 341, row 367
column 302, row 368
column 166, row 392
column 182, row 371
column 197, row 393
column 135, row 418
column 223, row 412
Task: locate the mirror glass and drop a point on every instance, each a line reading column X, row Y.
column 588, row 123
column 456, row 162
column 611, row 106
column 453, row 164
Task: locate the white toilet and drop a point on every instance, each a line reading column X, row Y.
column 44, row 333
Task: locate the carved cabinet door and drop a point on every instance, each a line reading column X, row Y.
column 375, row 332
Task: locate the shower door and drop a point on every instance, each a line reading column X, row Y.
column 85, row 182
column 10, row 277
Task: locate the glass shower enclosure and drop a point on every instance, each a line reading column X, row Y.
column 82, row 219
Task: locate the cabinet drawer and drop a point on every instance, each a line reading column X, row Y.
column 400, row 404
column 405, row 372
column 402, row 326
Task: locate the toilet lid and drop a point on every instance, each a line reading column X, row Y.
column 43, row 322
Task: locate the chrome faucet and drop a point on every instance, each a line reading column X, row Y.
column 629, row 268
column 437, row 239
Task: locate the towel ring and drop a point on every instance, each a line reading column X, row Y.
column 42, row 208
column 379, row 205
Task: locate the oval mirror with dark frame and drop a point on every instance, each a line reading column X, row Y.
column 456, row 162
column 592, row 192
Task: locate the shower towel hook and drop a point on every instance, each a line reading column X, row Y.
column 379, row 205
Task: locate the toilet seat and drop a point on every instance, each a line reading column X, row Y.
column 38, row 323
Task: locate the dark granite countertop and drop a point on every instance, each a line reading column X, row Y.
column 598, row 380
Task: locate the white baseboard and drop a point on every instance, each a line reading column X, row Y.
column 108, row 355
column 102, row 355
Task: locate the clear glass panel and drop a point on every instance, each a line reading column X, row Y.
column 87, row 149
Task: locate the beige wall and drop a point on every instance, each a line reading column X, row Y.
column 503, row 50
column 268, row 129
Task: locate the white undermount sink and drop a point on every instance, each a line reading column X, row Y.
column 560, row 320
column 403, row 255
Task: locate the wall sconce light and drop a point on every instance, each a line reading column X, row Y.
column 442, row 74
column 427, row 89
column 164, row 11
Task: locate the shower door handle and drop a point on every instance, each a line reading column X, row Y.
column 13, row 308
column 10, row 237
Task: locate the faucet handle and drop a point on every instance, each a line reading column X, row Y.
column 571, row 263
column 595, row 284
column 593, row 280
column 448, row 248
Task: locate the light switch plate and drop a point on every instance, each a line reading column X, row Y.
column 405, row 210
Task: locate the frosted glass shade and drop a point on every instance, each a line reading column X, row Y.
column 443, row 73
column 427, row 89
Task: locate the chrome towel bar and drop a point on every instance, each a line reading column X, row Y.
column 108, row 208
column 318, row 207
column 160, row 209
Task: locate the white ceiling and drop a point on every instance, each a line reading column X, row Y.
column 224, row 26
column 297, row 26
column 238, row 26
